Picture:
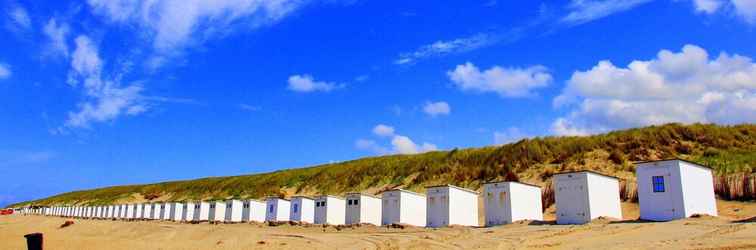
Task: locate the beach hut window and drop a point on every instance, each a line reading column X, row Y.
column 349, row 202
column 356, row 202
column 271, row 208
column 658, row 182
column 502, row 198
column 296, row 208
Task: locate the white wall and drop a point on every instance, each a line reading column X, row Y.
column 526, row 202
column 698, row 190
column 138, row 211
column 159, row 211
column 303, row 209
column 437, row 207
column 257, row 211
column 604, row 197
column 330, row 210
column 220, row 211
column 201, row 213
column 571, row 195
column 233, row 211
column 178, row 211
column 363, row 209
column 277, row 209
column 130, row 211
column 463, row 207
column 403, row 207
column 188, row 213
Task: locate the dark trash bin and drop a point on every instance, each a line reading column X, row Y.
column 34, row 241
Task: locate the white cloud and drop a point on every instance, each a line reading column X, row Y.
column 511, row 134
column 175, row 24
column 507, row 82
column 436, row 108
column 746, row 9
column 440, row 48
column 5, row 71
column 686, row 87
column 404, row 145
column 707, row 6
column 583, row 11
column 57, row 33
column 305, row 83
column 370, row 145
column 19, row 18
column 105, row 98
column 400, row 144
column 383, row 130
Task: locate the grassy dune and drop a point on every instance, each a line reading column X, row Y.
column 730, row 150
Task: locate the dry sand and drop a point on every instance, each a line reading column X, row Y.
column 722, row 232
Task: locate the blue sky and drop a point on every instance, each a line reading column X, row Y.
column 98, row 93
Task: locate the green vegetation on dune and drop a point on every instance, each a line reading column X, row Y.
column 728, row 149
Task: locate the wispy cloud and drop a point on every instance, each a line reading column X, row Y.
column 56, row 33
column 583, row 11
column 306, row 83
column 105, row 98
column 440, row 48
column 173, row 25
column 5, row 71
column 18, row 19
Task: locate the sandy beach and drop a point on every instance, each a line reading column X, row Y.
column 728, row 231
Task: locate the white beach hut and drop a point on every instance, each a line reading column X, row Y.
column 187, row 213
column 277, row 209
column 451, row 205
column 233, row 211
column 253, row 210
column 159, row 211
column 330, row 210
column 586, row 195
column 124, row 211
column 302, row 209
column 201, row 211
column 674, row 189
column 138, row 211
column 363, row 208
column 149, row 211
column 145, row 213
column 507, row 202
column 218, row 211
column 403, row 207
column 130, row 210
column 177, row 212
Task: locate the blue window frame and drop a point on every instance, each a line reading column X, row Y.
column 658, row 183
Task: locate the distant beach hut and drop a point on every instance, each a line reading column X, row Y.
column 159, row 211
column 403, row 207
column 187, row 211
column 218, row 211
column 330, row 210
column 177, row 212
column 253, row 210
column 582, row 196
column 130, row 210
column 674, row 189
column 302, row 209
column 451, row 205
column 201, row 211
column 277, row 209
column 506, row 202
column 363, row 208
column 146, row 211
column 233, row 211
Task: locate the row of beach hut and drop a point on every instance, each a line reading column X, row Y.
column 667, row 190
